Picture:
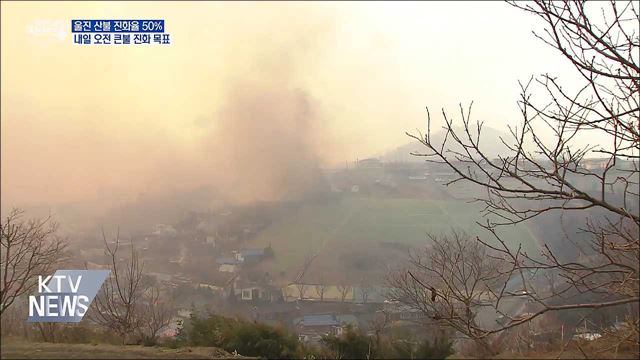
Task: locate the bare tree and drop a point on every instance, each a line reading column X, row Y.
column 302, row 289
column 449, row 281
column 158, row 314
column 12, row 320
column 344, row 290
column 379, row 324
column 547, row 171
column 365, row 290
column 119, row 304
column 48, row 330
column 299, row 282
column 321, row 288
column 28, row 248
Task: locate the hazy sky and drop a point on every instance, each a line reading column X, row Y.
column 315, row 83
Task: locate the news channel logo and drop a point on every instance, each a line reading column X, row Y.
column 120, row 32
column 65, row 296
column 50, row 29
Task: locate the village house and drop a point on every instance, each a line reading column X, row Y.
column 335, row 293
column 215, row 289
column 253, row 256
column 228, row 264
column 232, row 263
column 230, row 268
column 311, row 328
column 256, row 292
column 315, row 292
column 164, row 230
column 398, row 311
column 595, row 164
column 250, row 256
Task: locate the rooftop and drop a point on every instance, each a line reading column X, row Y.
column 319, row 320
column 252, row 252
column 326, row 320
column 228, row 260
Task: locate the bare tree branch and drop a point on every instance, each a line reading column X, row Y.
column 28, row 248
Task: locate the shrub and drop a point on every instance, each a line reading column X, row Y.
column 402, row 350
column 209, row 331
column 172, row 343
column 439, row 349
column 252, row 339
column 352, row 344
column 247, row 338
column 149, row 341
column 84, row 334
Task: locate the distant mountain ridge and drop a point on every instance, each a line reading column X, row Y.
column 490, row 145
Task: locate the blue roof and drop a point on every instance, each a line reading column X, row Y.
column 319, row 320
column 252, row 252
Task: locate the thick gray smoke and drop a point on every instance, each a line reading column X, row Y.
column 264, row 145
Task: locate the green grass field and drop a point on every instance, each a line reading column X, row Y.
column 345, row 227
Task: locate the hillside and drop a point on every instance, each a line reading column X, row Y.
column 362, row 238
column 490, row 144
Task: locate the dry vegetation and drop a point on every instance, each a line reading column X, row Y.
column 14, row 348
